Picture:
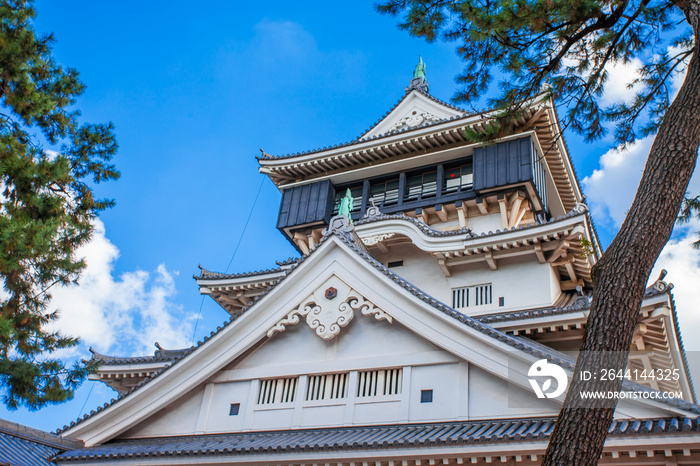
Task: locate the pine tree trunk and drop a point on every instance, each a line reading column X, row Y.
column 620, row 276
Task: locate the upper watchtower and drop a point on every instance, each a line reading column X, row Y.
column 418, row 160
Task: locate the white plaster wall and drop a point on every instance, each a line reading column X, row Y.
column 364, row 344
column 522, row 281
column 216, row 409
column 485, row 223
column 450, row 391
column 490, row 397
column 364, row 338
column 554, row 284
column 378, row 412
column 180, row 418
column 272, row 418
column 323, row 415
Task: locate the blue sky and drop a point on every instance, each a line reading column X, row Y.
column 194, row 93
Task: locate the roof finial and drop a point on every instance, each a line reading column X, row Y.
column 419, row 72
column 418, row 82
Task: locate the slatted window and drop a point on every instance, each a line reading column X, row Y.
column 384, row 192
column 274, row 391
column 421, row 186
column 458, row 179
column 327, row 387
column 472, row 296
column 482, row 295
column 379, row 383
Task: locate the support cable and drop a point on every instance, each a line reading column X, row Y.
column 245, row 227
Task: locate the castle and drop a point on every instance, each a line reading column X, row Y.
column 434, row 274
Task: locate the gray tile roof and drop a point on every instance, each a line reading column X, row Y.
column 421, row 226
column 426, row 94
column 288, row 261
column 160, row 355
column 265, row 156
column 16, row 451
column 364, row 437
column 25, row 446
column 550, row 354
column 658, row 287
column 677, row 327
column 205, row 274
column 566, row 304
column 465, row 231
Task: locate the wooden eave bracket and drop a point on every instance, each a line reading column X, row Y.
column 442, row 263
column 503, row 207
column 462, row 214
column 512, row 208
column 539, row 253
column 533, row 119
column 441, row 212
column 482, row 205
column 491, row 261
column 560, row 250
column 422, row 215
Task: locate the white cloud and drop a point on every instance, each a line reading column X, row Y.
column 121, row 315
column 618, row 85
column 611, row 188
column 610, row 191
column 679, row 76
column 620, row 76
column 683, row 265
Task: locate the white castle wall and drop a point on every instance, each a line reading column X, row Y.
column 460, row 391
column 522, row 282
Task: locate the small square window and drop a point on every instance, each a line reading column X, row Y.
column 235, row 408
column 426, row 396
column 501, row 301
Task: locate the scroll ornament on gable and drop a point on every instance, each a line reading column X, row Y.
column 327, row 316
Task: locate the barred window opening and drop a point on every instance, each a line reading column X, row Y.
column 327, row 387
column 379, row 383
column 472, row 296
column 274, row 391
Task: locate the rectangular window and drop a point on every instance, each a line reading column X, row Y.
column 327, row 387
column 458, row 179
column 472, row 296
column 381, row 382
column 273, row 391
column 421, row 186
column 384, row 192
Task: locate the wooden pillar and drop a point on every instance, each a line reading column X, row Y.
column 365, row 198
column 402, row 188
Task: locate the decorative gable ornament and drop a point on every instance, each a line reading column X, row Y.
column 338, row 224
column 331, row 293
column 325, row 315
column 375, row 239
column 414, row 119
column 372, row 211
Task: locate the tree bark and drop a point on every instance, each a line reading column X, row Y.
column 620, row 276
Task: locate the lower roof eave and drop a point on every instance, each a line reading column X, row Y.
column 683, row 446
